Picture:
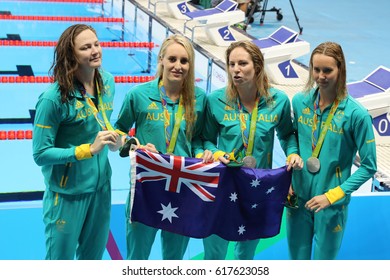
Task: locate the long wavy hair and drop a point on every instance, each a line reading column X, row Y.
column 65, row 63
column 261, row 78
column 334, row 50
column 188, row 89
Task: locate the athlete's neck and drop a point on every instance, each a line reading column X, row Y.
column 248, row 98
column 173, row 90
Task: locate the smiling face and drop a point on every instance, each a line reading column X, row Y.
column 175, row 63
column 325, row 72
column 87, row 50
column 241, row 67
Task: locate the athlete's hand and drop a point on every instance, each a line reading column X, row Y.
column 294, row 161
column 224, row 159
column 207, row 156
column 317, row 203
column 102, row 139
column 150, row 147
column 118, row 144
column 291, row 190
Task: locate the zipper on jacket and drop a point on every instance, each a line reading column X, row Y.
column 64, row 178
column 338, row 174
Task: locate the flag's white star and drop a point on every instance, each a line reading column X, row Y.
column 233, row 197
column 255, row 183
column 241, row 230
column 167, row 212
column 254, row 206
column 270, row 190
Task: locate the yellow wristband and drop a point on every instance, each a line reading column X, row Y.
column 231, row 156
column 199, row 155
column 83, row 152
column 335, row 194
column 218, row 154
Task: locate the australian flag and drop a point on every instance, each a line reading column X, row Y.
column 187, row 197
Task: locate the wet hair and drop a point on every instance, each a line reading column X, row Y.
column 65, row 63
column 335, row 51
column 188, row 90
column 262, row 81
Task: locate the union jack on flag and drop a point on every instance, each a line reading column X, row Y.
column 187, row 197
column 176, row 171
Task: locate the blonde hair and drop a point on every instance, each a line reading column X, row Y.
column 188, row 90
column 262, row 82
column 335, row 51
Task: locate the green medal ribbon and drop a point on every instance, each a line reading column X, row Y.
column 248, row 141
column 105, row 123
column 170, row 139
column 320, row 140
column 103, row 111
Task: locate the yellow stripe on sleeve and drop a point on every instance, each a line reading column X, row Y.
column 56, row 200
column 43, row 126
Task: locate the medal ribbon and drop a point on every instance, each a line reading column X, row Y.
column 248, row 141
column 100, row 116
column 315, row 119
column 317, row 144
column 170, row 139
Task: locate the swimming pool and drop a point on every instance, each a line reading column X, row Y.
column 31, row 54
column 34, row 53
column 19, row 98
column 20, row 174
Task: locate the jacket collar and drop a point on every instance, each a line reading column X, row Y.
column 310, row 98
column 222, row 97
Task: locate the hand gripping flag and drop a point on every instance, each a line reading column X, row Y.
column 187, row 197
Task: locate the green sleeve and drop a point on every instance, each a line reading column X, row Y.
column 285, row 130
column 126, row 116
column 365, row 142
column 47, row 120
column 197, row 142
column 210, row 129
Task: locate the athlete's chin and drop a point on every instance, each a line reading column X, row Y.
column 96, row 62
column 238, row 82
column 96, row 65
column 177, row 78
column 322, row 85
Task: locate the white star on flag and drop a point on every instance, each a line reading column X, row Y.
column 168, row 212
column 254, row 206
column 241, row 230
column 270, row 190
column 233, row 197
column 255, row 183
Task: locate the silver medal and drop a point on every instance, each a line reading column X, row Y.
column 249, row 161
column 313, row 164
